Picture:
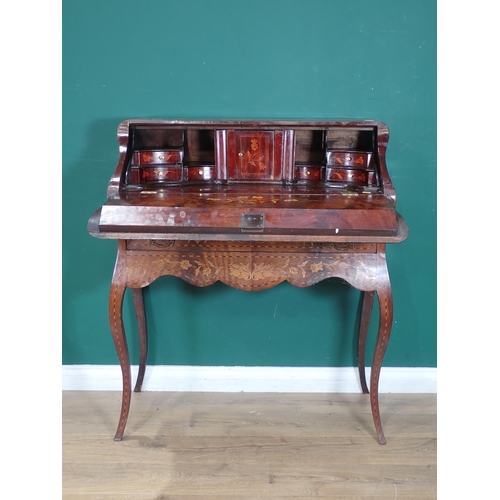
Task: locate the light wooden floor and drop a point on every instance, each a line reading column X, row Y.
column 248, row 446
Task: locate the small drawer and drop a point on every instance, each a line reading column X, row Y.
column 159, row 157
column 356, row 159
column 350, row 175
column 305, row 173
column 199, row 173
column 160, row 174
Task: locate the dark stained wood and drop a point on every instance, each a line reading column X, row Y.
column 251, row 204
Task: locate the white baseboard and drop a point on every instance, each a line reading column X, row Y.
column 248, row 379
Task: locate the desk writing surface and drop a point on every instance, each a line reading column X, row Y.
column 300, row 210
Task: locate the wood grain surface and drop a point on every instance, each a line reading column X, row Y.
column 248, row 446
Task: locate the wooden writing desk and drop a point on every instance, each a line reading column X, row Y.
column 251, row 204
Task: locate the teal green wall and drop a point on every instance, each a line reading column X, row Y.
column 310, row 59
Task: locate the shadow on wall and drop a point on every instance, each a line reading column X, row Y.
column 87, row 262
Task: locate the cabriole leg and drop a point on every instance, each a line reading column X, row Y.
column 140, row 312
column 366, row 312
column 384, row 294
column 118, row 333
column 116, row 295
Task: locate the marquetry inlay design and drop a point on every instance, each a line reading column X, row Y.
column 162, row 243
column 253, row 159
column 359, row 160
column 342, row 246
column 251, row 271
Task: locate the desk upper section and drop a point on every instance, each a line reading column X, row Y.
column 268, row 177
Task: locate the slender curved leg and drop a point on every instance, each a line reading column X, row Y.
column 116, row 295
column 366, row 312
column 384, row 331
column 138, row 294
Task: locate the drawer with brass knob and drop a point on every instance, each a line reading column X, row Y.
column 356, row 159
column 158, row 157
column 350, row 176
column 308, row 173
column 199, row 173
column 167, row 174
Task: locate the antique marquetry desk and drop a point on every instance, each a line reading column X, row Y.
column 251, row 204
